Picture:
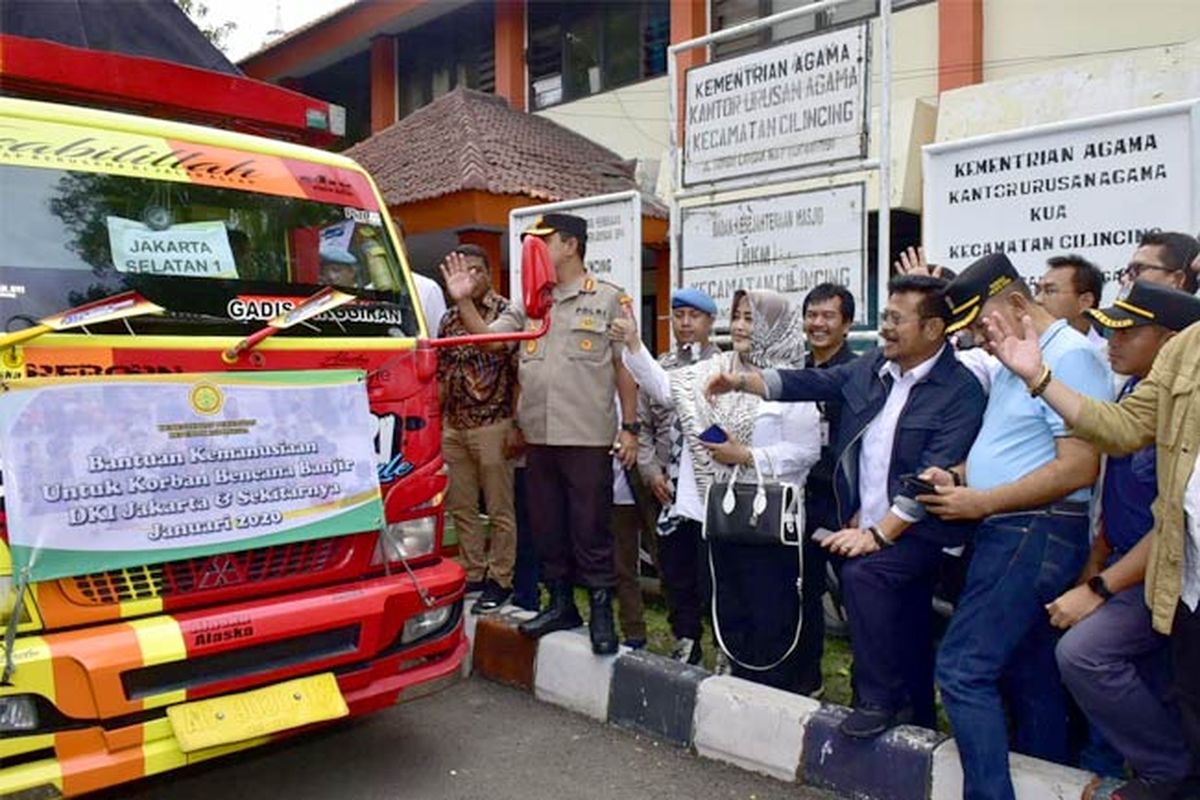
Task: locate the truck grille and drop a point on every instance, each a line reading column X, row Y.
column 208, row 573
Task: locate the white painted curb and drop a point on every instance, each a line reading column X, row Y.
column 751, row 726
column 1033, row 779
column 568, row 674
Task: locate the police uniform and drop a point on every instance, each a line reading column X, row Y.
column 568, row 380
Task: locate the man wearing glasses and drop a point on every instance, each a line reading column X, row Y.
column 905, row 406
column 1164, row 257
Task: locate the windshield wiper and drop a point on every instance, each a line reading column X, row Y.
column 326, row 299
column 119, row 306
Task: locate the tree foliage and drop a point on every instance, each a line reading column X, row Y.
column 216, row 33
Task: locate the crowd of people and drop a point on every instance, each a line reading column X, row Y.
column 1020, row 434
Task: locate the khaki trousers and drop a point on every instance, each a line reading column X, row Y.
column 626, row 528
column 475, row 460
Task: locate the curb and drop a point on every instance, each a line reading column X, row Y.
column 786, row 736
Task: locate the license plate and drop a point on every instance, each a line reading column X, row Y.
column 237, row 717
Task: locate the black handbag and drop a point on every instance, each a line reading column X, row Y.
column 762, row 513
column 766, row 512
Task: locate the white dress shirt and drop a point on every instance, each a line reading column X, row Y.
column 787, row 436
column 433, row 302
column 875, row 455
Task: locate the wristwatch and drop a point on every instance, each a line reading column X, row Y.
column 1096, row 584
column 632, row 427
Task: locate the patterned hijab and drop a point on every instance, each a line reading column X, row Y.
column 776, row 332
column 776, row 340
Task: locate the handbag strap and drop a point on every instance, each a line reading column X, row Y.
column 716, row 621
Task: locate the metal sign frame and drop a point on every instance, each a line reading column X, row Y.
column 883, row 163
column 514, row 236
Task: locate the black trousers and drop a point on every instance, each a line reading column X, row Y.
column 683, row 567
column 1185, row 678
column 570, row 494
column 888, row 595
column 758, row 607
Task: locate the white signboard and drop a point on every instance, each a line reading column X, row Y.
column 1090, row 186
column 614, row 240
column 787, row 243
column 190, row 250
column 112, row 473
column 788, row 106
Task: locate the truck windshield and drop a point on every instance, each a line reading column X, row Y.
column 219, row 259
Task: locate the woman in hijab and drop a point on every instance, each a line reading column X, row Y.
column 756, row 586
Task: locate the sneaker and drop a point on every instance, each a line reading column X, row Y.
column 635, row 644
column 493, row 597
column 722, row 665
column 687, row 650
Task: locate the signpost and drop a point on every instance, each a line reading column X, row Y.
column 614, row 243
column 788, row 243
column 789, row 106
column 1088, row 186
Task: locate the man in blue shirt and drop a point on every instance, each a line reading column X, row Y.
column 1029, row 482
column 1111, row 658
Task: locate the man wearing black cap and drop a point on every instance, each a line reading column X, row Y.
column 1029, row 481
column 568, row 379
column 660, row 450
column 1111, row 653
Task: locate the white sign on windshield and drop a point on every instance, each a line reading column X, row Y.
column 787, row 243
column 784, row 107
column 189, row 250
column 1090, row 187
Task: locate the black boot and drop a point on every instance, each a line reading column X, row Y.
column 560, row 615
column 600, row 626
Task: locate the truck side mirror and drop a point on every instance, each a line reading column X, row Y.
column 537, row 277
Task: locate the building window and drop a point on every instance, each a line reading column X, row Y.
column 456, row 49
column 578, row 49
column 728, row 13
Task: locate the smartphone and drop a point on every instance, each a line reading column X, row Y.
column 916, row 485
column 821, row 534
column 714, row 434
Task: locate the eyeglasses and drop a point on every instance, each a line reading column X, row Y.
column 1136, row 268
column 894, row 319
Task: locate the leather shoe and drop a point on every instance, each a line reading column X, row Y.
column 600, row 626
column 867, row 721
column 560, row 615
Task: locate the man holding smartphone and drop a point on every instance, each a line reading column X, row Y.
column 904, row 407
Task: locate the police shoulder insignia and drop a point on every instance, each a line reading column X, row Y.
column 531, row 346
column 589, row 284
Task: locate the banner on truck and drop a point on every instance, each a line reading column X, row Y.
column 787, row 243
column 1090, row 186
column 108, row 473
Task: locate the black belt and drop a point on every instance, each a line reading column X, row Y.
column 1066, row 507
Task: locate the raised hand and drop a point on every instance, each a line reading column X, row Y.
column 461, row 282
column 624, row 329
column 1019, row 351
column 912, row 262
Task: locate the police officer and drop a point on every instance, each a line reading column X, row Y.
column 568, row 378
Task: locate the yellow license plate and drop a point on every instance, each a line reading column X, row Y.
column 237, row 717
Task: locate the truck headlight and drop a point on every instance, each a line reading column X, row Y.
column 407, row 539
column 18, row 712
column 424, row 623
